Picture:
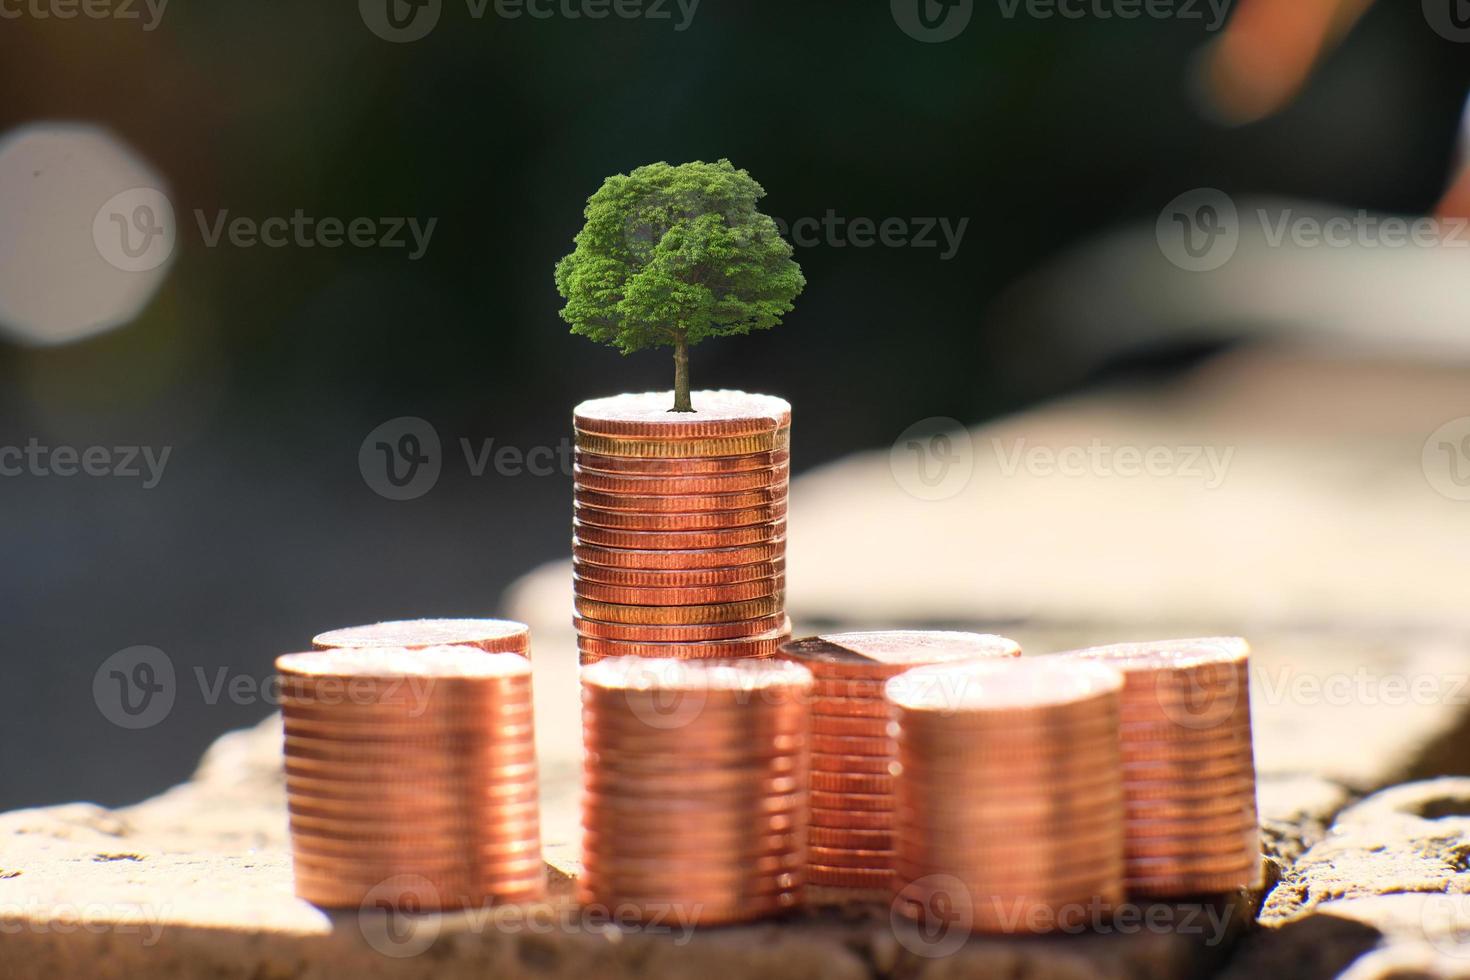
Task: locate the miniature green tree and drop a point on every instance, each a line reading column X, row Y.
column 672, row 255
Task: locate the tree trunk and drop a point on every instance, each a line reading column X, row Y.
column 681, row 376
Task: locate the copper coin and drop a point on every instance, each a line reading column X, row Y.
column 682, row 785
column 590, row 535
column 763, row 645
column 1170, row 732
column 694, row 615
column 647, row 415
column 1238, row 820
column 490, row 635
column 678, row 578
column 757, row 589
column 1204, row 770
column 864, row 878
column 851, row 801
column 1194, row 884
column 727, row 842
column 695, row 867
column 400, row 849
column 614, row 824
column 681, row 503
column 851, row 727
column 723, row 747
column 708, row 520
column 849, row 707
column 1166, row 809
column 668, row 484
column 848, row 687
column 851, row 745
column 833, row 782
column 842, row 857
column 764, row 442
column 464, row 892
column 878, row 765
column 1199, row 847
column 881, row 655
column 681, row 467
column 861, row 840
column 369, row 834
column 615, row 565
column 633, row 633
column 852, row 819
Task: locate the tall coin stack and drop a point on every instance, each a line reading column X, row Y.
column 1188, row 769
column 852, row 788
column 490, row 635
column 679, row 535
column 411, row 765
column 1009, row 793
column 694, row 788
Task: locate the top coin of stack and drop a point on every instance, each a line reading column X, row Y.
column 490, row 635
column 852, row 788
column 411, row 766
column 1009, row 793
column 679, row 534
column 1188, row 768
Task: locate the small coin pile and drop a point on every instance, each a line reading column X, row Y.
column 679, row 534
column 694, row 788
column 1009, row 793
column 415, row 763
column 1188, row 767
column 851, row 853
column 490, row 635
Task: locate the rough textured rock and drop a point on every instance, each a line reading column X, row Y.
column 197, row 882
column 1385, row 894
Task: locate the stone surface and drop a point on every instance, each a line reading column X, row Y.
column 197, row 882
column 1385, row 893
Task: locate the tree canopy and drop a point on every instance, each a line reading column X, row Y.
column 673, row 255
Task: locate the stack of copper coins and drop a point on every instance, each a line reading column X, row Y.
column 1009, row 793
column 679, row 537
column 694, row 805
column 1188, row 768
column 411, row 764
column 852, row 788
column 490, row 635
